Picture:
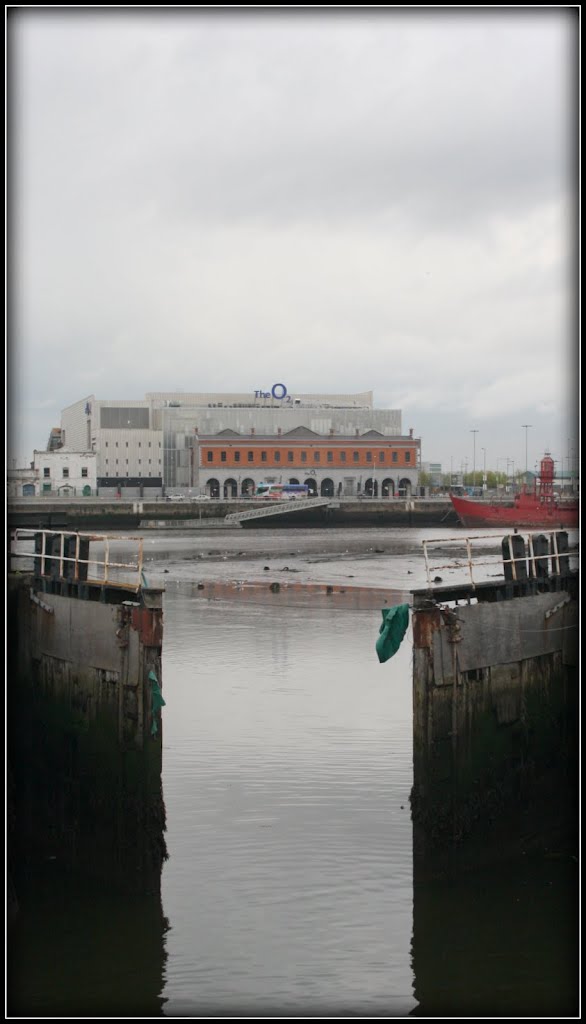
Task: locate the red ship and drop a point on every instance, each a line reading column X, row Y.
column 540, row 509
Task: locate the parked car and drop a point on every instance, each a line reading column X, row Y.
column 175, row 497
column 201, row 497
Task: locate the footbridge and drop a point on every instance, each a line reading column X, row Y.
column 280, row 508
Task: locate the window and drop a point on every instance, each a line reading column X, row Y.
column 393, row 456
column 316, row 456
column 369, row 456
column 236, row 456
column 150, row 445
column 277, row 456
column 46, row 471
column 84, row 471
column 342, row 456
column 381, row 456
column 65, row 471
column 116, row 443
column 263, row 456
column 222, row 456
column 127, row 444
column 106, row 444
column 139, row 444
column 330, row 456
column 304, row 456
column 289, row 456
column 355, row 456
column 46, row 487
column 407, row 456
column 209, row 456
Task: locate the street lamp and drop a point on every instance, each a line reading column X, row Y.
column 526, row 427
column 501, row 458
column 483, row 450
column 474, row 432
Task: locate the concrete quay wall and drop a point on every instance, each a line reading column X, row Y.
column 495, row 724
column 84, row 728
column 88, row 514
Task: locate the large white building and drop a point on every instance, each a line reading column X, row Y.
column 205, row 442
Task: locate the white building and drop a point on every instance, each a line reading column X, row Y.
column 65, row 473
column 144, row 447
column 21, row 483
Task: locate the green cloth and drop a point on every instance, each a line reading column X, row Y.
column 157, row 701
column 392, row 631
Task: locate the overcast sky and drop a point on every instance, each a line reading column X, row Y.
column 338, row 202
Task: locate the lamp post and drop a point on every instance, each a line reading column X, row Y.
column 526, row 427
column 474, row 433
column 483, row 450
column 501, row 458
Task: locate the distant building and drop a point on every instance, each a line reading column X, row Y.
column 21, row 483
column 226, row 444
column 434, row 472
column 55, row 439
column 65, row 473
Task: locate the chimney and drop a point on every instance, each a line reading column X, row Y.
column 332, row 431
column 279, row 430
column 410, row 431
column 357, row 431
column 252, row 430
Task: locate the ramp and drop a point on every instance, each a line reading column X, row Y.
column 278, row 509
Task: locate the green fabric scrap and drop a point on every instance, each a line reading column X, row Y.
column 157, row 701
column 392, row 631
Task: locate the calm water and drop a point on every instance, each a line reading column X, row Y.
column 287, row 758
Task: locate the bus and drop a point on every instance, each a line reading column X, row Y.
column 282, row 492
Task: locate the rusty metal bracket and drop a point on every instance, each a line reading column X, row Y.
column 557, row 607
column 452, row 624
column 36, row 600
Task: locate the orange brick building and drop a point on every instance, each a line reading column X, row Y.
column 371, row 464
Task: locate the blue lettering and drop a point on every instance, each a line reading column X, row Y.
column 278, row 391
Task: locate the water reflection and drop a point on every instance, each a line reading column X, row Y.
column 499, row 942
column 286, row 778
column 81, row 951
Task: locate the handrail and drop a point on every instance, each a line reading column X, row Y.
column 529, row 557
column 46, row 555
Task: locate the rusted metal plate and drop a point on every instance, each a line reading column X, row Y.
column 149, row 623
column 425, row 623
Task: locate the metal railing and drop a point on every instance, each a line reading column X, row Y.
column 65, row 555
column 529, row 563
column 278, row 508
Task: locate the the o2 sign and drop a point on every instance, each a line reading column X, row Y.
column 278, row 391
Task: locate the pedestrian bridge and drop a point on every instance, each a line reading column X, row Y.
column 280, row 508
